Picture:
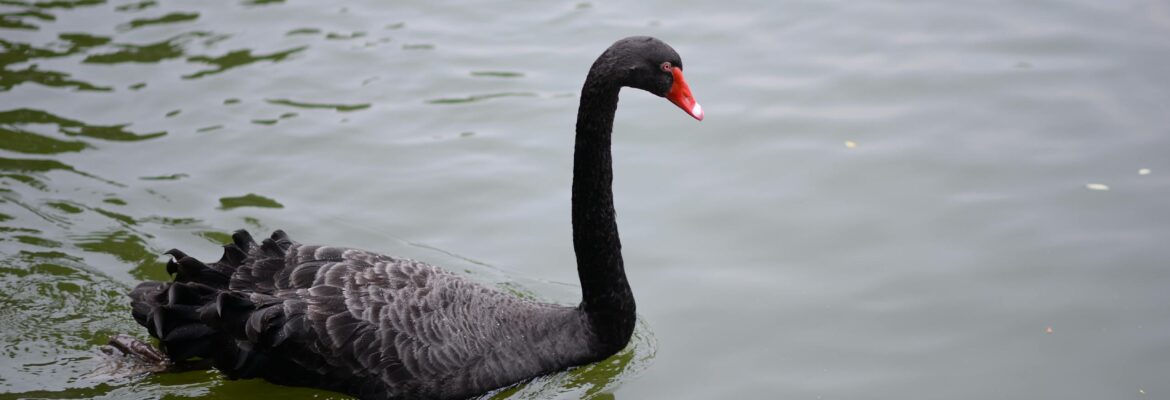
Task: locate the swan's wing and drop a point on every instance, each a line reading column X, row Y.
column 349, row 313
column 352, row 321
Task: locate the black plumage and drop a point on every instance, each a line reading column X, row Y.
column 377, row 326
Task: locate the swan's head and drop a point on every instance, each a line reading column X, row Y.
column 652, row 65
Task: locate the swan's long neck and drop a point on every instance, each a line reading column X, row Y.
column 606, row 296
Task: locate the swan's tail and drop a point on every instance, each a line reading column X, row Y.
column 189, row 315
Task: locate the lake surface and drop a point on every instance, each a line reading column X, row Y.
column 896, row 199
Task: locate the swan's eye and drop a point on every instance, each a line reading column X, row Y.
column 666, row 66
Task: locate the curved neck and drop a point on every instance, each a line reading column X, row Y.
column 606, row 296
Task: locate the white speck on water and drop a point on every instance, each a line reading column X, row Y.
column 1097, row 186
column 850, row 144
column 1144, row 171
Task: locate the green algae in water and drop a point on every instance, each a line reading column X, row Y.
column 11, row 78
column 139, row 6
column 144, row 54
column 125, row 219
column 33, row 165
column 31, row 143
column 248, row 200
column 128, row 247
column 65, row 206
column 166, row 19
column 215, row 237
column 37, row 241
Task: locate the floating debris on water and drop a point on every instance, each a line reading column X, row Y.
column 1048, row 330
column 850, row 144
column 1144, row 171
column 1097, row 186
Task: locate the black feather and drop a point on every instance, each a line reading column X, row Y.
column 243, row 240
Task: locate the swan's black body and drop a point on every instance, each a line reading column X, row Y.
column 376, row 326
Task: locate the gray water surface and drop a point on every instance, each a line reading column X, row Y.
column 887, row 199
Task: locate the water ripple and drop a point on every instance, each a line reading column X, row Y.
column 17, row 20
column 165, row 19
column 261, row 2
column 139, row 6
column 147, row 53
column 31, row 143
column 236, row 59
column 335, row 107
column 67, row 4
column 497, row 74
column 42, row 165
column 117, row 133
column 479, row 97
column 13, row 78
column 56, row 311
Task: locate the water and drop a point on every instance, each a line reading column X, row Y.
column 894, row 199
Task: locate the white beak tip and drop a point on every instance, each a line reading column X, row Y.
column 697, row 112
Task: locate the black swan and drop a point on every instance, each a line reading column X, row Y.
column 376, row 326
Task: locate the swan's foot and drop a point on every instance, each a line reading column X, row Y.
column 131, row 346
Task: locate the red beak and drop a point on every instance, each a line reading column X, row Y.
column 680, row 95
